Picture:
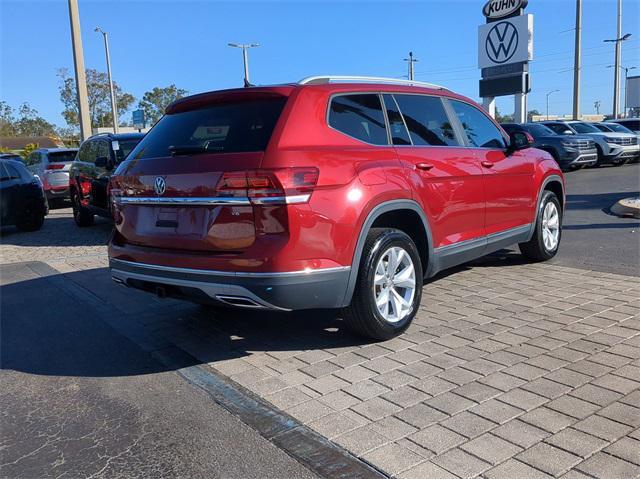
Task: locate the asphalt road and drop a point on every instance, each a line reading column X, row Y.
column 78, row 399
column 592, row 237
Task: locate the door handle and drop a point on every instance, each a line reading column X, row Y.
column 424, row 166
column 486, row 164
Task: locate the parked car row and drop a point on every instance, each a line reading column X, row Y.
column 576, row 144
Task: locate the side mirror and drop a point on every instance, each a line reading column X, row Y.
column 567, row 132
column 103, row 162
column 519, row 141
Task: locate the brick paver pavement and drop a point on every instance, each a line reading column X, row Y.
column 510, row 370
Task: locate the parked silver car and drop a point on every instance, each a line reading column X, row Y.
column 52, row 167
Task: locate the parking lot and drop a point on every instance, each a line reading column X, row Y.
column 510, row 369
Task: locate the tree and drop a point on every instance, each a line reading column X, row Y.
column 99, row 98
column 7, row 120
column 531, row 114
column 155, row 101
column 27, row 150
column 28, row 123
column 503, row 119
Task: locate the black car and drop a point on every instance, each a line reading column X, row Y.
column 89, row 174
column 22, row 199
column 570, row 151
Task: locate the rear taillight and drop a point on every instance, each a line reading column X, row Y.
column 278, row 186
column 54, row 166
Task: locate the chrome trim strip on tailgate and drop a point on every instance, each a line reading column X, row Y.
column 182, row 201
column 230, row 273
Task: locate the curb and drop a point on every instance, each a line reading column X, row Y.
column 627, row 207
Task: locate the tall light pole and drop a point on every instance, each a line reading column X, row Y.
column 596, row 105
column 114, row 106
column 245, row 57
column 411, row 61
column 616, row 77
column 81, row 77
column 626, row 75
column 549, row 94
column 577, row 61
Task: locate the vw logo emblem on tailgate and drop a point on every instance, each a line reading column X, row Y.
column 502, row 42
column 159, row 185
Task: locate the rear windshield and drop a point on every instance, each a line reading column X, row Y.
column 538, row 131
column 61, row 156
column 631, row 124
column 124, row 148
column 619, row 128
column 224, row 128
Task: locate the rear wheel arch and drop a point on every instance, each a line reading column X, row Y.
column 555, row 185
column 405, row 215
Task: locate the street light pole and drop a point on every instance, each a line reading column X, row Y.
column 577, row 61
column 114, row 106
column 548, row 94
column 81, row 76
column 245, row 58
column 616, row 77
column 626, row 76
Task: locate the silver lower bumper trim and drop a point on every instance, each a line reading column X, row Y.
column 226, row 293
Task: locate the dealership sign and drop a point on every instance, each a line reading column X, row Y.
column 495, row 9
column 505, row 42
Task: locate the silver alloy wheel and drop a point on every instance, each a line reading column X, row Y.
column 550, row 226
column 394, row 284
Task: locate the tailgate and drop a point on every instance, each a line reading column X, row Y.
column 182, row 210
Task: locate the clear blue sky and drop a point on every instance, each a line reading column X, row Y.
column 156, row 43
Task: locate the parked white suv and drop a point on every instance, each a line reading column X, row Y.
column 52, row 167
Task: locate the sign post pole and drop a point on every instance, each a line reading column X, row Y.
column 489, row 104
column 520, row 115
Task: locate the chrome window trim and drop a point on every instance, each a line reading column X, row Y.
column 240, row 274
column 182, row 201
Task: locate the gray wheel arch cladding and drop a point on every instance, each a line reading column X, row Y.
column 380, row 209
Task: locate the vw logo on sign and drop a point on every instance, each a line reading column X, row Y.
column 159, row 185
column 502, row 42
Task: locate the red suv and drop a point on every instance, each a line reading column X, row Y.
column 334, row 192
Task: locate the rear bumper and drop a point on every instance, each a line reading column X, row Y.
column 322, row 288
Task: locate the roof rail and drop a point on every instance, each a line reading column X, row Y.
column 320, row 79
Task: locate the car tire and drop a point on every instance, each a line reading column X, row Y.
column 545, row 241
column 33, row 218
column 600, row 160
column 620, row 162
column 375, row 282
column 82, row 216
